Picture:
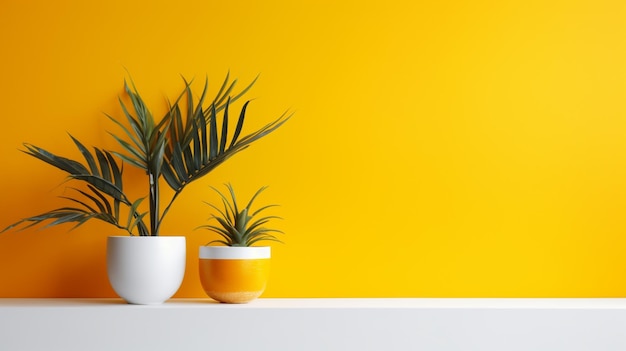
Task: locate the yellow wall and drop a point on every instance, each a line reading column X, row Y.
column 461, row 148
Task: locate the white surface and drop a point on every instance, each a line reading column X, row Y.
column 315, row 324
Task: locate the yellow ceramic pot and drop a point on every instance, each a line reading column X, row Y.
column 234, row 274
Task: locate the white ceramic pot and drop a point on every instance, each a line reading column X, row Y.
column 146, row 270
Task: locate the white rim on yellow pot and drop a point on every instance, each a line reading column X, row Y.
column 234, row 253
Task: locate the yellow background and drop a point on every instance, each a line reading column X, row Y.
column 439, row 148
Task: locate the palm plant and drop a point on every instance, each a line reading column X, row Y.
column 185, row 145
column 236, row 227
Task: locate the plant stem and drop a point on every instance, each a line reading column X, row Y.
column 154, row 205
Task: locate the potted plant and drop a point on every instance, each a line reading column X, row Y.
column 185, row 145
column 236, row 272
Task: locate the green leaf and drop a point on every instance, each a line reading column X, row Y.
column 224, row 136
column 131, row 136
column 268, row 238
column 224, row 233
column 188, row 158
column 177, row 163
column 132, row 161
column 193, row 161
column 227, row 205
column 204, row 151
column 104, row 165
column 87, row 155
column 222, row 213
column 138, row 134
column 117, row 180
column 157, row 159
column 219, row 100
column 260, row 222
column 101, row 207
column 70, row 217
column 170, row 177
column 213, row 134
column 220, row 93
column 219, row 242
column 263, row 209
column 245, row 90
column 176, row 131
column 139, row 159
column 103, row 185
column 62, row 163
column 240, row 121
column 133, row 216
column 57, row 216
column 103, row 199
column 254, row 197
column 234, row 200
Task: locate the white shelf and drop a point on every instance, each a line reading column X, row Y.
column 315, row 324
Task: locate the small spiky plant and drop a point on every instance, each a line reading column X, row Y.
column 236, row 227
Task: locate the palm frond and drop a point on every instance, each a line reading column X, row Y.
column 194, row 158
column 103, row 195
column 62, row 163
